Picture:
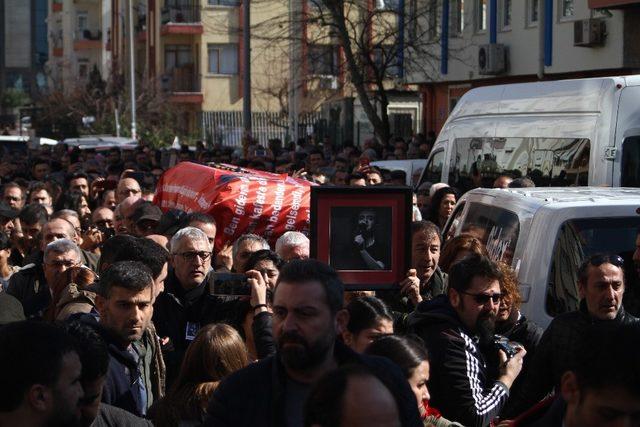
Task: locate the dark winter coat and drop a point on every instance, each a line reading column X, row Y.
column 255, row 395
column 462, row 385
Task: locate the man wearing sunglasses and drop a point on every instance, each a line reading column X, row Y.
column 601, row 287
column 458, row 329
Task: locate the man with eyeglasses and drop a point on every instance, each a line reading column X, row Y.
column 601, row 287
column 458, row 329
column 186, row 303
column 32, row 284
column 14, row 196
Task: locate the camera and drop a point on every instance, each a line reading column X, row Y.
column 107, row 232
column 230, row 284
column 510, row 348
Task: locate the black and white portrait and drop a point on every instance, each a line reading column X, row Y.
column 360, row 238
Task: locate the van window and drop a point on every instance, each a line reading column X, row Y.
column 477, row 162
column 631, row 162
column 497, row 228
column 579, row 239
column 433, row 171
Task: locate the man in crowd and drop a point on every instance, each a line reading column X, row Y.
column 31, row 285
column 204, row 223
column 40, row 195
column 185, row 305
column 308, row 315
column 7, row 217
column 125, row 305
column 123, row 215
column 351, row 396
column 601, row 285
column 94, row 356
column 243, row 247
column 39, row 376
column 32, row 219
column 144, row 219
column 292, row 245
column 424, row 280
column 127, row 187
column 13, row 195
column 79, row 182
column 458, row 329
column 602, row 389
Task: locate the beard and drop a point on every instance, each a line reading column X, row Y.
column 485, row 327
column 299, row 354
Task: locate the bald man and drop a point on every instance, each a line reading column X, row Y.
column 127, row 187
column 123, row 212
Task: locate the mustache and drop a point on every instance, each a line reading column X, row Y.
column 291, row 338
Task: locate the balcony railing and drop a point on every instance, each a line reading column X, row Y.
column 181, row 79
column 181, row 12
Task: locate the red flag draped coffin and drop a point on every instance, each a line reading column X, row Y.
column 241, row 200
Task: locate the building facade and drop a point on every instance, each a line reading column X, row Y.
column 79, row 41
column 23, row 45
column 488, row 42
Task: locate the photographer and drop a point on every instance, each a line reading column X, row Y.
column 255, row 315
column 459, row 328
column 100, row 229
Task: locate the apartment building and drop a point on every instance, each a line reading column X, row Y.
column 486, row 42
column 79, row 40
column 23, row 45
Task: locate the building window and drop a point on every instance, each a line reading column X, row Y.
column 505, row 15
column 223, row 58
column 533, row 12
column 481, row 15
column 82, row 25
column 323, row 60
column 177, row 56
column 433, row 20
column 385, row 59
column 456, row 9
column 387, row 4
column 223, row 2
column 83, row 69
column 566, row 9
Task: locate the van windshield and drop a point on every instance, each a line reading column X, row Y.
column 497, row 228
column 581, row 238
column 477, row 162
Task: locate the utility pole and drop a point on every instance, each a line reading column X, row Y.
column 246, row 46
column 294, row 57
column 132, row 68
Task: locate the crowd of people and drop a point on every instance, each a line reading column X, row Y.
column 115, row 313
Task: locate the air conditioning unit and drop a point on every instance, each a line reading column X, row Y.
column 589, row 32
column 328, row 82
column 492, row 59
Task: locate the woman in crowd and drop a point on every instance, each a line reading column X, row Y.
column 442, row 204
column 216, row 352
column 412, row 358
column 514, row 326
column 253, row 319
column 459, row 247
column 6, row 269
column 369, row 318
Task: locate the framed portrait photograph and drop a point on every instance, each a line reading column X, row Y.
column 364, row 233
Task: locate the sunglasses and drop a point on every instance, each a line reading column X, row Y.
column 599, row 259
column 482, row 299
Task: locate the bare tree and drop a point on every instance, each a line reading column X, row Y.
column 370, row 44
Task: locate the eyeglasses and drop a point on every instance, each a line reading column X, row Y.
column 484, row 298
column 191, row 255
column 599, row 259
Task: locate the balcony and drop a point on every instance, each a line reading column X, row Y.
column 87, row 39
column 183, row 85
column 181, row 17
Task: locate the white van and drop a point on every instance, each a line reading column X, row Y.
column 545, row 234
column 559, row 133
